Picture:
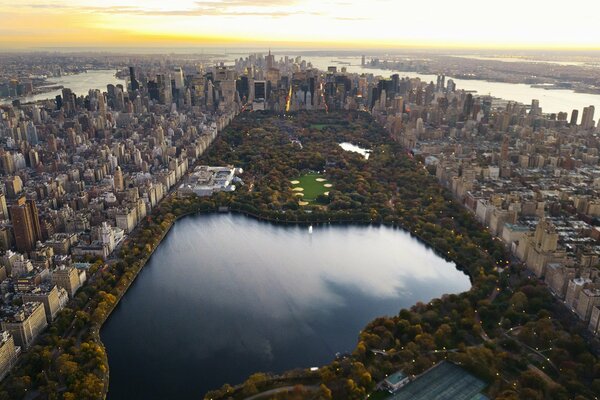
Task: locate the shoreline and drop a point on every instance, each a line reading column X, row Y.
column 589, row 91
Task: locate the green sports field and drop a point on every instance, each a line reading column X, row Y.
column 312, row 187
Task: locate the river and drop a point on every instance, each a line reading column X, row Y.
column 80, row 84
column 551, row 101
column 226, row 295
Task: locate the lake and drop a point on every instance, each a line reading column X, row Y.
column 225, row 296
column 355, row 149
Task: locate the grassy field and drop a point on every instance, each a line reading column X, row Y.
column 321, row 127
column 312, row 187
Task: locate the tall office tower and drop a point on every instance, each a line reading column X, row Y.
column 441, row 83
column 260, row 95
column 270, row 60
column 68, row 100
column 587, row 119
column 383, row 100
column 153, row 91
column 362, row 61
column 37, row 115
column 451, row 86
column 164, row 88
column 398, row 105
column 52, row 143
column 574, row 117
column 243, row 87
column 178, row 78
column 504, row 151
column 8, row 163
column 535, row 107
column 31, row 132
column 33, row 157
column 3, row 206
column 13, row 186
column 119, row 101
column 210, row 94
column 111, row 95
column 26, row 224
column 260, row 90
column 135, row 85
column 468, row 106
column 59, row 102
column 118, row 180
column 101, row 104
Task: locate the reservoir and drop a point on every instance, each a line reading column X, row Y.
column 225, row 296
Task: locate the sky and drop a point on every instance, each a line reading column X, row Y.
column 344, row 24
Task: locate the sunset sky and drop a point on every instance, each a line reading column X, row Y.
column 309, row 23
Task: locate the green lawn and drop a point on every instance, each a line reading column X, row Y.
column 312, row 188
column 321, row 127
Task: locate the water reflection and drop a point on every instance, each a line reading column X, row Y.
column 226, row 296
column 355, row 149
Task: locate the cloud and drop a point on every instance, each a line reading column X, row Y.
column 223, row 8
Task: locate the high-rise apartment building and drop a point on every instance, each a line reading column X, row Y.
column 67, row 278
column 574, row 117
column 26, row 323
column 587, row 118
column 8, row 353
column 54, row 299
column 118, row 180
column 26, row 224
column 13, row 186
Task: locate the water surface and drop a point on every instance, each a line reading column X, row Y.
column 551, row 101
column 80, row 84
column 225, row 296
column 355, row 149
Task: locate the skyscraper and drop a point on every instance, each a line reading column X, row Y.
column 26, row 224
column 574, row 117
column 118, row 180
column 535, row 107
column 270, row 60
column 587, row 119
column 31, row 132
column 504, row 150
column 178, row 78
column 135, row 85
column 165, row 89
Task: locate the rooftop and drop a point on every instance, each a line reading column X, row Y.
column 396, row 377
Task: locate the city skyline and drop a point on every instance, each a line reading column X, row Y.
column 337, row 24
column 307, row 200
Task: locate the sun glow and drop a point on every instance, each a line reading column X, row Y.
column 340, row 23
